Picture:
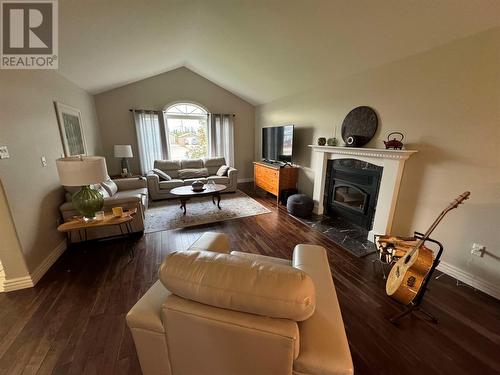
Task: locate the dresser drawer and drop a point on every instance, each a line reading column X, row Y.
column 266, row 173
column 270, row 186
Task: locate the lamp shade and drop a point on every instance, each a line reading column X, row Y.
column 82, row 170
column 123, row 151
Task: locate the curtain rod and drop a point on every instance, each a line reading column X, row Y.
column 157, row 110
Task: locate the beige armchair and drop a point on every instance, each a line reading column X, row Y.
column 180, row 336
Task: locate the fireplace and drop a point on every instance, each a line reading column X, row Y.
column 392, row 162
column 351, row 190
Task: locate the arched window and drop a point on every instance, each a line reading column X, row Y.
column 187, row 125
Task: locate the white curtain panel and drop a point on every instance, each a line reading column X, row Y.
column 221, row 137
column 150, row 128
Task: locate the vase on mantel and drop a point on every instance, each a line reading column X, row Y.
column 332, row 141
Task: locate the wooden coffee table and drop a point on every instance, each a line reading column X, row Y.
column 185, row 193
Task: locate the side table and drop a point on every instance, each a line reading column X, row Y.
column 79, row 225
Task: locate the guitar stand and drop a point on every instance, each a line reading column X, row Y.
column 415, row 304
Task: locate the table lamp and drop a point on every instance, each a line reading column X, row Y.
column 124, row 152
column 84, row 171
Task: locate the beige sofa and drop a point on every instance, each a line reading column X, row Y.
column 177, row 336
column 161, row 189
column 131, row 193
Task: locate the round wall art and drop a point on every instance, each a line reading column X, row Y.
column 360, row 124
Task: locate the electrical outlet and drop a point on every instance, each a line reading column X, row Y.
column 4, row 152
column 478, row 249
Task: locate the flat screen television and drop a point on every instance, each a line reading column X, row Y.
column 277, row 144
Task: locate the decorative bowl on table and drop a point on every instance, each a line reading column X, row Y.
column 198, row 186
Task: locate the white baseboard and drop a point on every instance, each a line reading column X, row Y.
column 474, row 281
column 30, row 281
column 240, row 180
column 2, row 277
column 9, row 285
column 48, row 262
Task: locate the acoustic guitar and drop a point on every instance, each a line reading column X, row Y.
column 409, row 272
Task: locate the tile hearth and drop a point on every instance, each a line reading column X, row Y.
column 348, row 236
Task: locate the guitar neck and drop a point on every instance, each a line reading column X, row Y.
column 427, row 233
column 452, row 205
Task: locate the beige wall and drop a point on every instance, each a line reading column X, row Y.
column 447, row 103
column 10, row 250
column 28, row 126
column 117, row 125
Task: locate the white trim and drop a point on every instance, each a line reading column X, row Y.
column 48, row 262
column 368, row 152
column 2, row 277
column 30, row 281
column 470, row 279
column 240, row 180
column 9, row 285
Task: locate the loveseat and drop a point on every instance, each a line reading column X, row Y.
column 128, row 193
column 174, row 335
column 160, row 188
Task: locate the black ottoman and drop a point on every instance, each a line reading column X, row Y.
column 300, row 205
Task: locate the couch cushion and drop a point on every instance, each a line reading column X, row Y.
column 191, row 163
column 134, row 195
column 167, row 185
column 162, row 175
column 213, row 164
column 189, row 181
column 170, row 167
column 219, row 180
column 262, row 258
column 110, row 186
column 193, row 173
column 237, row 283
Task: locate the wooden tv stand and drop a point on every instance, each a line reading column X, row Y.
column 274, row 178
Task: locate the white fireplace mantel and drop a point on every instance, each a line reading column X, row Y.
column 392, row 162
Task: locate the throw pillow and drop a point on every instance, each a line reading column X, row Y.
column 101, row 190
column 222, row 171
column 110, row 186
column 163, row 176
column 193, row 173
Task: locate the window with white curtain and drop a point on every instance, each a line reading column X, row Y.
column 150, row 138
column 187, row 129
column 183, row 131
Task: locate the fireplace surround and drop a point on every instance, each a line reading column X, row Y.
column 392, row 162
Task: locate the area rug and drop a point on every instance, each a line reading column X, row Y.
column 166, row 214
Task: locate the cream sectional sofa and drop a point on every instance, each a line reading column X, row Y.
column 180, row 336
column 159, row 189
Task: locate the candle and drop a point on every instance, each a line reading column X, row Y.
column 117, row 211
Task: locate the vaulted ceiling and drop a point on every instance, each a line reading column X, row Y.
column 260, row 50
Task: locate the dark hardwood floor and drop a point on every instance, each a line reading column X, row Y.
column 73, row 321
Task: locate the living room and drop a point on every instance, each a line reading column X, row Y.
column 217, row 84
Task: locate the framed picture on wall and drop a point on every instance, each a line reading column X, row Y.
column 70, row 126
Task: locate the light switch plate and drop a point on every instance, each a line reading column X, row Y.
column 44, row 161
column 4, row 152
